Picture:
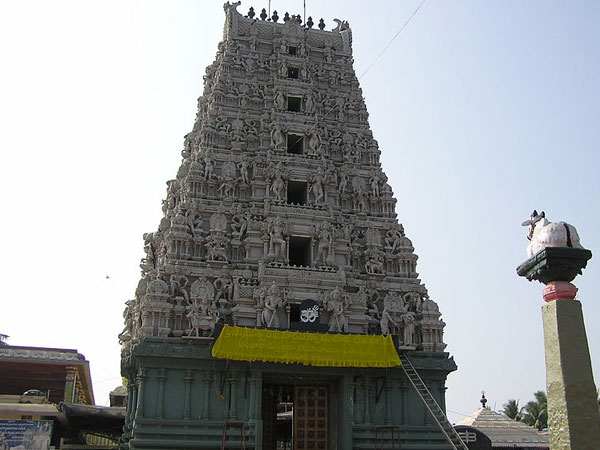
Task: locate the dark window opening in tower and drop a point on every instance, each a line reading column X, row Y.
column 294, row 104
column 292, row 50
column 297, row 192
column 300, row 251
column 295, row 144
column 293, row 72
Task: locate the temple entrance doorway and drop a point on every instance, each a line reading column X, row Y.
column 295, row 417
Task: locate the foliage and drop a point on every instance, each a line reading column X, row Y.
column 512, row 410
column 536, row 411
column 3, row 338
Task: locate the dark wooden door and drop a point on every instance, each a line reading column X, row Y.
column 269, row 418
column 310, row 418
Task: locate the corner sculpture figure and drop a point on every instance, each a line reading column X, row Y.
column 543, row 233
column 556, row 257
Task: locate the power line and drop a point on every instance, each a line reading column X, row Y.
column 393, row 39
column 331, row 108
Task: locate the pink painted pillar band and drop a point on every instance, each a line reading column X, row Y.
column 556, row 290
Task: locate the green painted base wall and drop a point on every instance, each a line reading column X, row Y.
column 180, row 397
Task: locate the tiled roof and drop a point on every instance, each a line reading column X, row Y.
column 504, row 431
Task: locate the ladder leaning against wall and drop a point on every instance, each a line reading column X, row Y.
column 438, row 414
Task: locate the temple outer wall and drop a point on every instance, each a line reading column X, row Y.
column 180, row 398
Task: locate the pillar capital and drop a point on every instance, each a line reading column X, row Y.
column 555, row 264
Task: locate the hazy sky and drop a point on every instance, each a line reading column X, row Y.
column 483, row 112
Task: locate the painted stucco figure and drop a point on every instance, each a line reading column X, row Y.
column 543, row 233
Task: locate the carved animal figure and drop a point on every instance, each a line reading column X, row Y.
column 543, row 233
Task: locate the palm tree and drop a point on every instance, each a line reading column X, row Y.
column 536, row 411
column 512, row 410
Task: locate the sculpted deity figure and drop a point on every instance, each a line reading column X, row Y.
column 393, row 307
column 372, row 297
column 302, row 49
column 277, row 243
column 209, row 166
column 278, row 185
column 375, row 182
column 243, row 167
column 194, row 220
column 337, row 306
column 223, row 289
column 309, row 102
column 277, row 136
column 413, row 301
column 325, row 246
column 283, row 70
column 128, row 317
column 227, row 187
column 387, row 320
column 273, row 300
column 316, row 187
column 218, row 221
column 408, row 320
column 279, row 100
column 222, row 123
column 304, row 72
column 252, row 43
column 239, row 222
column 374, row 261
column 172, row 196
column 343, row 179
column 314, row 143
column 152, row 242
column 177, row 284
column 203, row 317
column 394, row 238
column 216, row 247
column 360, row 201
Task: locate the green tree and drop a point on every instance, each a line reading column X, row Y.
column 536, row 411
column 3, row 338
column 512, row 410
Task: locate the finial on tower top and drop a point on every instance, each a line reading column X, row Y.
column 483, row 400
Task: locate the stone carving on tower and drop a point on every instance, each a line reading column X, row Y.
column 281, row 198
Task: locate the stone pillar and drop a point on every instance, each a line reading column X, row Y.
column 130, row 404
column 160, row 402
column 205, row 414
column 572, row 402
column 367, row 399
column 232, row 397
column 347, row 419
column 141, row 379
column 187, row 381
column 252, row 381
column 572, row 405
column 70, row 384
column 404, row 403
column 388, row 402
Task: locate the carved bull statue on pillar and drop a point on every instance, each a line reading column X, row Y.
column 543, row 233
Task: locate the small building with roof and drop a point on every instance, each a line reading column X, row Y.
column 504, row 432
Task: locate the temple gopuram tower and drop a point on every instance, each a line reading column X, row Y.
column 279, row 293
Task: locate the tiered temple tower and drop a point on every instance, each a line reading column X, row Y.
column 280, row 217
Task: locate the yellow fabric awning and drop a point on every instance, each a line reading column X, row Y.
column 310, row 349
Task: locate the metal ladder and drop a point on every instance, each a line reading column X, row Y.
column 435, row 410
